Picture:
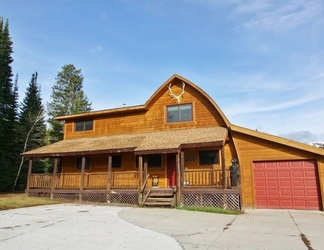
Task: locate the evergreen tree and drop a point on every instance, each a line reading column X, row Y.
column 32, row 130
column 8, row 111
column 68, row 98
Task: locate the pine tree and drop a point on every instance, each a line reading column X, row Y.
column 68, row 98
column 8, row 110
column 32, row 130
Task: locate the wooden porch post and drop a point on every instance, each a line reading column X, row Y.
column 140, row 179
column 109, row 172
column 182, row 163
column 53, row 178
column 223, row 168
column 145, row 167
column 82, row 176
column 109, row 177
column 178, row 179
column 30, row 165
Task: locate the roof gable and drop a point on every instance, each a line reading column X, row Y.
column 160, row 91
column 277, row 139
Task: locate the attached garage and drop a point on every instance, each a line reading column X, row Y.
column 287, row 184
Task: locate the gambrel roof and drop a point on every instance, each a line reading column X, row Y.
column 159, row 141
column 148, row 103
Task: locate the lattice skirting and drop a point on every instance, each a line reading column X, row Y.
column 224, row 200
column 118, row 197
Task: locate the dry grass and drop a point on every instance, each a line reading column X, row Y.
column 209, row 210
column 18, row 200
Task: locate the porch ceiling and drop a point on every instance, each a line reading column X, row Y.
column 140, row 143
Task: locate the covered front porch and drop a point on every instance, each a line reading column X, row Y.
column 197, row 187
column 193, row 169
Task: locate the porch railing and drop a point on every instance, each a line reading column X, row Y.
column 119, row 180
column 40, row 180
column 123, row 180
column 205, row 178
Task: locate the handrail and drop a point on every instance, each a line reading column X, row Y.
column 146, row 196
column 142, row 190
column 97, row 180
column 203, row 170
column 204, row 178
column 145, row 183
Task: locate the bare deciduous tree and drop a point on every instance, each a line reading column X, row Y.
column 32, row 120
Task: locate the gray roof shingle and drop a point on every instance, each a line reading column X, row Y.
column 162, row 140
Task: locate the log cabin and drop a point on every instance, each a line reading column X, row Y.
column 177, row 150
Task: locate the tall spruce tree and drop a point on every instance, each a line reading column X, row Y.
column 68, row 98
column 32, row 130
column 8, row 111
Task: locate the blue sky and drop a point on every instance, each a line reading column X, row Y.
column 261, row 61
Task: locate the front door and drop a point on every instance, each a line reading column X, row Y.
column 171, row 168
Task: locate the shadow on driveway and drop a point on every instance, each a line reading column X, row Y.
column 255, row 229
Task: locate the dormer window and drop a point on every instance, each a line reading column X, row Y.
column 179, row 113
column 83, row 125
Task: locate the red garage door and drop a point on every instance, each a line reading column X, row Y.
column 286, row 184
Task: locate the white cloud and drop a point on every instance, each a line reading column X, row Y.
column 245, row 7
column 302, row 136
column 279, row 16
column 96, row 49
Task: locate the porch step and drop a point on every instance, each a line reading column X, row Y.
column 162, row 194
column 160, row 197
column 158, row 204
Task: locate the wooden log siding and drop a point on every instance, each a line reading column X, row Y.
column 205, row 178
column 153, row 119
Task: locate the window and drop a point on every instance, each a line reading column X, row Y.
column 153, row 161
column 79, row 163
column 179, row 113
column 116, row 161
column 83, row 125
column 208, row 157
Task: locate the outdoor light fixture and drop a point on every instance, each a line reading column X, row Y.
column 155, row 181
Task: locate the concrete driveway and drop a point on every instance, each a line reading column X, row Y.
column 74, row 226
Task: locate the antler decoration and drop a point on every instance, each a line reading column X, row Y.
column 177, row 98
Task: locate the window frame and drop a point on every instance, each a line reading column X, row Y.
column 78, row 163
column 114, row 159
column 148, row 161
column 84, row 125
column 209, row 163
column 154, row 166
column 179, row 113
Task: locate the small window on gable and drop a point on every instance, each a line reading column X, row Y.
column 116, row 161
column 179, row 113
column 208, row 157
column 83, row 125
column 79, row 163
